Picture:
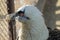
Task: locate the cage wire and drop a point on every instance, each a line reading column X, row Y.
column 5, row 34
column 3, row 24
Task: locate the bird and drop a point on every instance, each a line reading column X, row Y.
column 33, row 24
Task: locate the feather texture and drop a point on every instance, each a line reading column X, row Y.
column 35, row 28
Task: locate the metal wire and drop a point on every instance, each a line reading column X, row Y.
column 3, row 24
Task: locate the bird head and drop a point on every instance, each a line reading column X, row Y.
column 21, row 16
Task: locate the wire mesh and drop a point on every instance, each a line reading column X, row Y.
column 4, row 32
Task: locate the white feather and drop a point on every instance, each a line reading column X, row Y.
column 35, row 29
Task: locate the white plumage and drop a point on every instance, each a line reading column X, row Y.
column 35, row 28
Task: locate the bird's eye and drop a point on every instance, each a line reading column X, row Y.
column 21, row 14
